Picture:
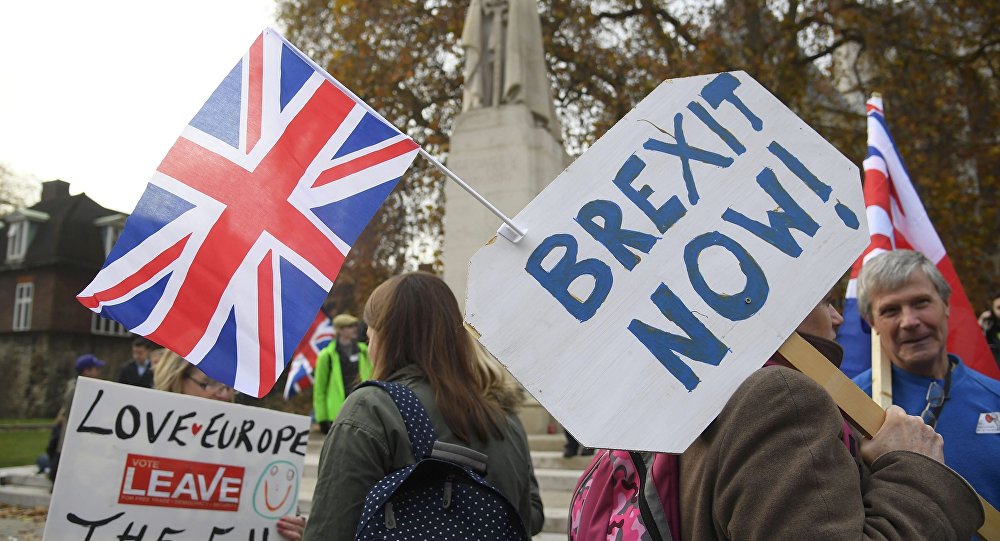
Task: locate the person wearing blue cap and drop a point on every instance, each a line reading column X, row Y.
column 87, row 366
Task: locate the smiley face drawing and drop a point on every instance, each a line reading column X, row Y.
column 277, row 490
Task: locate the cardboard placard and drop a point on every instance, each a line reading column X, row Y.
column 143, row 463
column 668, row 262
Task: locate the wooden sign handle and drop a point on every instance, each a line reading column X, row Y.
column 881, row 374
column 858, row 407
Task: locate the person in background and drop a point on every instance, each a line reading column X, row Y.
column 87, row 366
column 155, row 356
column 175, row 375
column 573, row 446
column 417, row 338
column 139, row 370
column 990, row 322
column 904, row 297
column 341, row 365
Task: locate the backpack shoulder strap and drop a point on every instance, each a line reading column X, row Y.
column 659, row 475
column 418, row 424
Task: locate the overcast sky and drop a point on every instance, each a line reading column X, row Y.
column 95, row 93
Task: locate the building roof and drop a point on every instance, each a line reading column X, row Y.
column 68, row 236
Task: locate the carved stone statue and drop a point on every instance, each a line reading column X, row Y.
column 504, row 59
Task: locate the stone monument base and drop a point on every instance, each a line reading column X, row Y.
column 508, row 157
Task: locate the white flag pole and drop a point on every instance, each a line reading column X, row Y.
column 881, row 367
column 508, row 231
column 881, row 374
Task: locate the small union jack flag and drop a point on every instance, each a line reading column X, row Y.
column 244, row 226
column 300, row 373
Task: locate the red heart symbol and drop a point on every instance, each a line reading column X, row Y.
column 195, row 428
column 989, row 418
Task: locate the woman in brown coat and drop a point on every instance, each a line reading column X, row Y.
column 775, row 465
column 779, row 462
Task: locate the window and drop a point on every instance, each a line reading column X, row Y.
column 108, row 327
column 23, row 293
column 111, row 234
column 17, row 240
column 111, row 228
column 22, row 225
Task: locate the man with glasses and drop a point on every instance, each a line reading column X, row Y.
column 904, row 297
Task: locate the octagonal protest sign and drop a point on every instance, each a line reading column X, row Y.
column 668, row 262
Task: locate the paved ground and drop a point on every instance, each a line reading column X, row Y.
column 21, row 524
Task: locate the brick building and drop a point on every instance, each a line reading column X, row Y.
column 50, row 252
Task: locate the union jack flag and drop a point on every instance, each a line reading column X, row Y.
column 897, row 220
column 243, row 228
column 300, row 374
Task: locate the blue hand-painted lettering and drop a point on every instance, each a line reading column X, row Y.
column 723, row 88
column 686, row 153
column 611, row 235
column 699, row 344
column 777, row 233
column 793, row 164
column 738, row 306
column 558, row 280
column 663, row 217
column 847, row 216
column 724, row 134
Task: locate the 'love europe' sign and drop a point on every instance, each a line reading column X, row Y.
column 144, row 464
column 668, row 262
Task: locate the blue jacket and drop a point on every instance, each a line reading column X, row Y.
column 971, row 447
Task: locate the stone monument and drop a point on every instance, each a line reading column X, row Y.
column 506, row 143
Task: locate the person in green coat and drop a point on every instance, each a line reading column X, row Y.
column 341, row 365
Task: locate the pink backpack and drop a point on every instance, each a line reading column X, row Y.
column 627, row 496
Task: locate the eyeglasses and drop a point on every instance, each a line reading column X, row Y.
column 211, row 386
column 936, row 395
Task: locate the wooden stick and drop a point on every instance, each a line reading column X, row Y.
column 856, row 405
column 859, row 409
column 881, row 374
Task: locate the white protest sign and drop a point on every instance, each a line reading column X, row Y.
column 668, row 262
column 143, row 464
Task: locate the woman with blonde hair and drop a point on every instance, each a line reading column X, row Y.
column 175, row 375
column 417, row 338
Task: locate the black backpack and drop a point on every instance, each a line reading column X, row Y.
column 441, row 496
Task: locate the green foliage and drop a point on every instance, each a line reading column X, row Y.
column 935, row 63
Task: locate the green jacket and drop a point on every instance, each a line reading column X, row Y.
column 368, row 441
column 328, row 388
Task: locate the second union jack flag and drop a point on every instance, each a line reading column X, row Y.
column 243, row 228
column 300, row 373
